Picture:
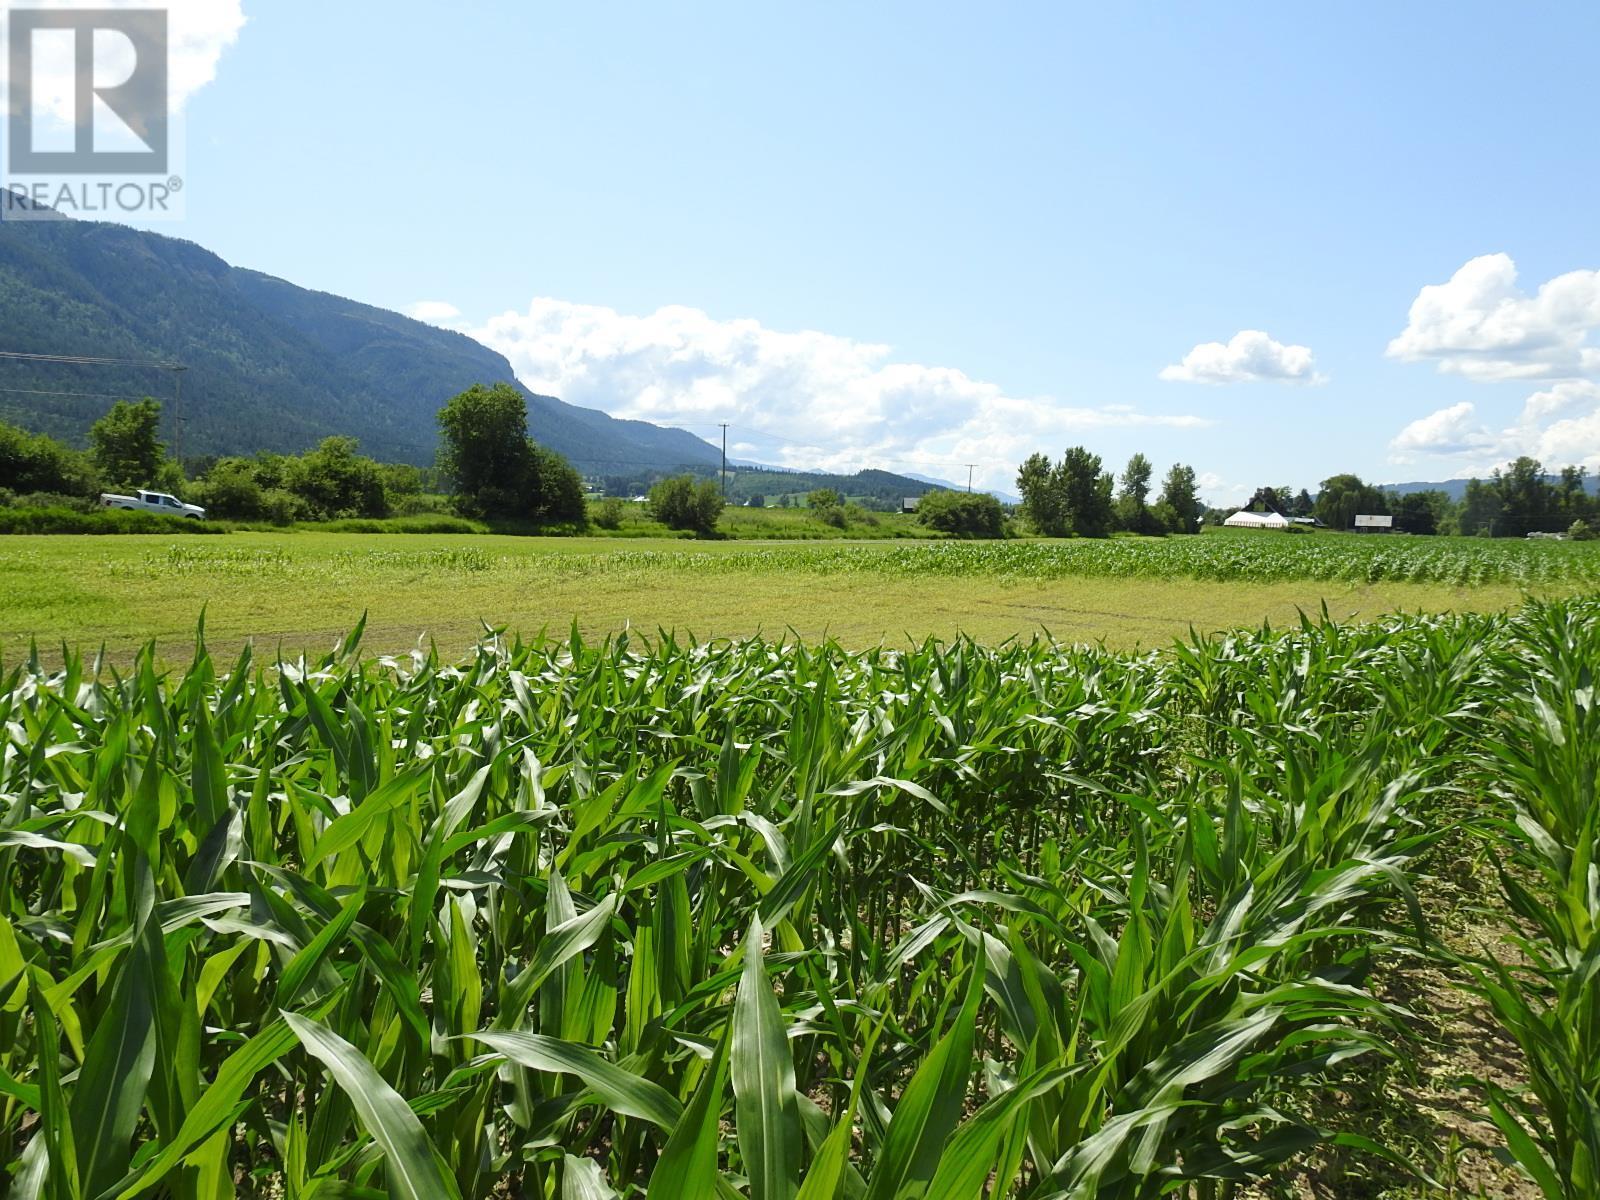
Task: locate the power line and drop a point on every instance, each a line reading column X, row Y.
column 85, row 395
column 89, row 360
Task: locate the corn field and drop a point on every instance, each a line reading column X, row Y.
column 1246, row 558
column 785, row 922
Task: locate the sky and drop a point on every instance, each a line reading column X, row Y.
column 1275, row 242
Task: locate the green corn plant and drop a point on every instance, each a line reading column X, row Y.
column 751, row 919
column 1540, row 758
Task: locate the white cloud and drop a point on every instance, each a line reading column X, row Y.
column 1482, row 326
column 796, row 399
column 198, row 31
column 1250, row 356
column 1453, row 430
column 1218, row 492
column 434, row 312
column 1559, row 398
column 1559, row 426
column 1572, row 440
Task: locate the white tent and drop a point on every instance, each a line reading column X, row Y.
column 1255, row 520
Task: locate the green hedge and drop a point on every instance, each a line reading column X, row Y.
column 110, row 520
column 422, row 523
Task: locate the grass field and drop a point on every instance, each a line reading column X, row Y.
column 302, row 589
column 1289, row 914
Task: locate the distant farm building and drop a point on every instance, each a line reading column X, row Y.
column 909, row 504
column 1254, row 520
column 1374, row 523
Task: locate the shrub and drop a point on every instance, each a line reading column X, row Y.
column 230, row 489
column 608, row 513
column 335, row 481
column 74, row 503
column 416, row 504
column 1581, row 531
column 823, row 498
column 964, row 514
column 31, row 462
column 283, row 507
column 1164, row 518
column 681, row 503
column 557, row 488
column 328, row 483
column 403, row 480
column 832, row 514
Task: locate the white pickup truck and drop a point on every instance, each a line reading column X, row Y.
column 156, row 502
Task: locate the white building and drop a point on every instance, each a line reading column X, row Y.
column 1255, row 520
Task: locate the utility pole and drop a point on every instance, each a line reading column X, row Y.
column 724, row 425
column 177, row 412
column 969, row 467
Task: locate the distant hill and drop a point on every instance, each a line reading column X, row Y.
column 1003, row 497
column 874, row 489
column 271, row 366
column 881, row 487
column 1457, row 488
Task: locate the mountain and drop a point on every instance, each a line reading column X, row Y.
column 271, row 366
column 879, row 488
column 882, row 490
column 1457, row 488
column 1003, row 497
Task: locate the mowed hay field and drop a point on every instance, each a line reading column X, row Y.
column 1311, row 912
column 302, row 590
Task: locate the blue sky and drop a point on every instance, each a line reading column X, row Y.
column 920, row 235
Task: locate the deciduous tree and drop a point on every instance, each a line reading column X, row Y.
column 1180, row 491
column 681, row 503
column 965, row 514
column 125, row 444
column 495, row 468
column 1133, row 513
column 1085, row 492
column 1480, row 510
column 1344, row 496
column 1041, row 502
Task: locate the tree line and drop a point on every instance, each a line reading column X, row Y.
column 1074, row 497
column 489, row 467
column 487, row 463
column 1514, row 501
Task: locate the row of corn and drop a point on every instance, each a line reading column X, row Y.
column 774, row 921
